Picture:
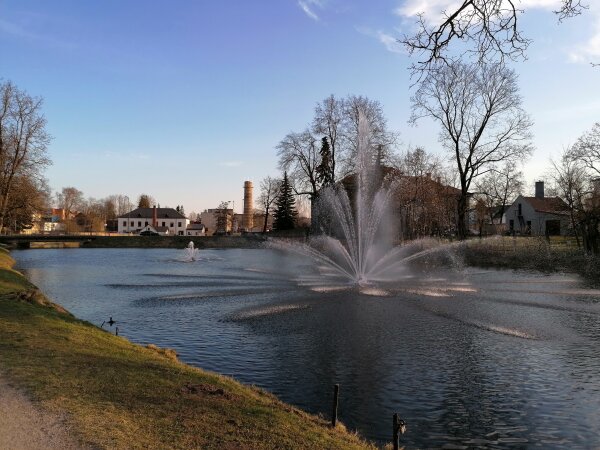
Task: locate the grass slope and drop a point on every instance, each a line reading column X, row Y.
column 120, row 395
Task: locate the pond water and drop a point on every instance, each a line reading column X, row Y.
column 470, row 358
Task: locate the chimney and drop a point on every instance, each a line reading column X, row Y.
column 539, row 189
column 248, row 218
column 154, row 217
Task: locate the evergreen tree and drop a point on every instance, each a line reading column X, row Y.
column 325, row 168
column 285, row 207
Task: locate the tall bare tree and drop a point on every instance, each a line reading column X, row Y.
column 482, row 121
column 329, row 122
column 23, row 140
column 488, row 29
column 381, row 138
column 299, row 156
column 70, row 199
column 269, row 190
column 586, row 151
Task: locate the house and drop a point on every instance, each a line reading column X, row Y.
column 135, row 221
column 195, row 229
column 149, row 230
column 539, row 215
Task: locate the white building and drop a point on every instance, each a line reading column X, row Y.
column 539, row 215
column 138, row 219
column 196, row 229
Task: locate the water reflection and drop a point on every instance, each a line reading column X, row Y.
column 484, row 359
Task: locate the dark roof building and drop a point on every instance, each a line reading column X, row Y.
column 148, row 213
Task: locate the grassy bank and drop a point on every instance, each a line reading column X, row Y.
column 120, row 395
column 531, row 253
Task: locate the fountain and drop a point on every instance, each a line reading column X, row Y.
column 191, row 252
column 355, row 240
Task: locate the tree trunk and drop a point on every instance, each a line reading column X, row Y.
column 463, row 230
column 266, row 220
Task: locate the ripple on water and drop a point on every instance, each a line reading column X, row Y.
column 266, row 311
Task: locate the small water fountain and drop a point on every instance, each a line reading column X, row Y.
column 191, row 252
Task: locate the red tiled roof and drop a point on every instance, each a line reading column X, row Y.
column 552, row 205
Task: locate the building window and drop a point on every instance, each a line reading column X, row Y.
column 139, row 223
column 179, row 224
column 520, row 210
column 171, row 224
column 132, row 223
column 124, row 223
column 163, row 224
column 146, row 224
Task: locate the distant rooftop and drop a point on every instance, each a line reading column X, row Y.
column 147, row 213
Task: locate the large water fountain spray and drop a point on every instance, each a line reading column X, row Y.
column 355, row 240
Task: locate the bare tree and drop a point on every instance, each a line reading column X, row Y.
column 70, row 199
column 299, row 156
column 269, row 190
column 499, row 187
column 123, row 204
column 329, row 122
column 23, row 140
column 483, row 124
column 488, row 29
column 92, row 216
column 570, row 179
column 381, row 138
column 587, row 149
column 29, row 200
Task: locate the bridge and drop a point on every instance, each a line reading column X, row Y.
column 26, row 240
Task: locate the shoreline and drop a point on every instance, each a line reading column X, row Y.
column 117, row 394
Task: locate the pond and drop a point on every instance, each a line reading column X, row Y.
column 468, row 358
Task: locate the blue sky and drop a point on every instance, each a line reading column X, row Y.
column 185, row 100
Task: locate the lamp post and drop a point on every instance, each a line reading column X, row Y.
column 128, row 212
column 232, row 214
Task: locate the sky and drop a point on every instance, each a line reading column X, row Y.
column 186, row 100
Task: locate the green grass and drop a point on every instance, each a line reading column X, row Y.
column 120, row 395
column 558, row 254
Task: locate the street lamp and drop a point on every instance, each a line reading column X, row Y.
column 128, row 212
column 232, row 214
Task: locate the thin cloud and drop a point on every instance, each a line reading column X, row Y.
column 589, row 51
column 389, row 42
column 234, row 163
column 308, row 5
column 12, row 29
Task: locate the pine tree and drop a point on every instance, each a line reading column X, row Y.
column 325, row 168
column 285, row 207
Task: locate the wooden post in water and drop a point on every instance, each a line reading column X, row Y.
column 117, row 331
column 336, row 394
column 399, row 428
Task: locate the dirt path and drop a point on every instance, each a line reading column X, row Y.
column 23, row 426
